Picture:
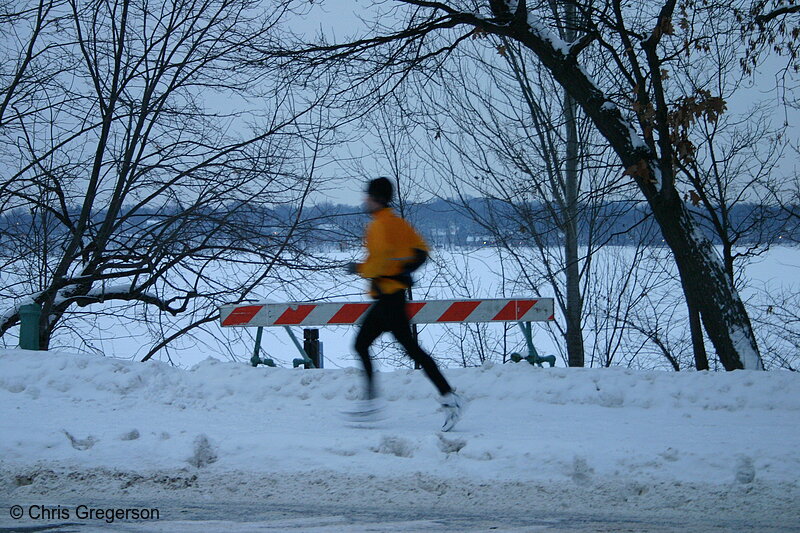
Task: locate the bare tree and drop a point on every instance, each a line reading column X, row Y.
column 725, row 160
column 164, row 168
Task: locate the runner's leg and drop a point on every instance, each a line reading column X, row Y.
column 371, row 328
column 400, row 327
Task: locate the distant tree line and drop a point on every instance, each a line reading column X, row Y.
column 339, row 226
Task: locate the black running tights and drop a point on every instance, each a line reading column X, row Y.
column 389, row 315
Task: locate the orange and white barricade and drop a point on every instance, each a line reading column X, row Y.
column 317, row 314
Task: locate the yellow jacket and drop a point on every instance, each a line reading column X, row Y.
column 391, row 243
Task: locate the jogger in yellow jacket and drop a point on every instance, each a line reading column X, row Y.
column 394, row 250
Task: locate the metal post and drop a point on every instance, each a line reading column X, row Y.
column 311, row 345
column 29, row 317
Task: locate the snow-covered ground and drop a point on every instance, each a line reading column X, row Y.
column 690, row 451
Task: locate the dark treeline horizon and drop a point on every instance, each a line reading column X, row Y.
column 478, row 222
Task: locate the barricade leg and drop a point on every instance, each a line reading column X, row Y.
column 305, row 360
column 256, row 360
column 533, row 356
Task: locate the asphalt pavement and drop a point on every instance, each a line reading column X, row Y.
column 180, row 517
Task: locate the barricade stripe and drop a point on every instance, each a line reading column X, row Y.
column 412, row 308
column 349, row 313
column 321, row 315
column 294, row 316
column 458, row 311
column 242, row 315
column 514, row 310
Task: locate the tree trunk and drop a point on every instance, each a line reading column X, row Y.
column 574, row 329
column 698, row 346
column 704, row 278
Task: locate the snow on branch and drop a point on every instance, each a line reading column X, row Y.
column 123, row 292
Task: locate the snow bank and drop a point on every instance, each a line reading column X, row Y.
column 213, row 383
column 81, row 423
